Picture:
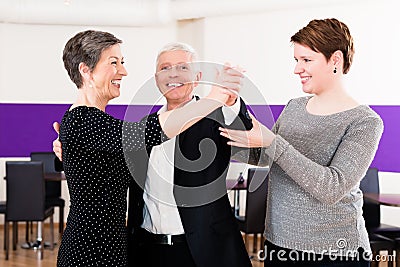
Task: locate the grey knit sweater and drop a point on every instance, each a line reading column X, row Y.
column 314, row 201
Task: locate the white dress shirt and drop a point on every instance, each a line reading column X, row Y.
column 160, row 213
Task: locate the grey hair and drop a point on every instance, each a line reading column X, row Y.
column 177, row 46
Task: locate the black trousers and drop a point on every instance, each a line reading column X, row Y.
column 282, row 257
column 164, row 255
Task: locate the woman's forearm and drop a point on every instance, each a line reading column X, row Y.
column 175, row 121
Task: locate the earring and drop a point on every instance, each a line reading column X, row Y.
column 335, row 70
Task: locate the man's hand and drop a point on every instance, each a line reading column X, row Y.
column 229, row 82
column 56, row 143
column 237, row 85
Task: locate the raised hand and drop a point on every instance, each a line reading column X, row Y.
column 258, row 136
column 56, row 143
column 228, row 84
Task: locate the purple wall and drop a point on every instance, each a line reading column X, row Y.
column 28, row 127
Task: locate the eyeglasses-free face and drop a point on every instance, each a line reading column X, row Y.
column 182, row 68
column 175, row 76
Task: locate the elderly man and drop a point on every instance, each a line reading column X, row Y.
column 179, row 212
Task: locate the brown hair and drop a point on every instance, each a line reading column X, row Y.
column 86, row 47
column 327, row 36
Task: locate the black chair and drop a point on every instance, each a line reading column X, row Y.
column 253, row 222
column 372, row 217
column 52, row 188
column 25, row 199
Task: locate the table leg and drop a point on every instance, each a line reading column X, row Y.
column 236, row 196
column 39, row 233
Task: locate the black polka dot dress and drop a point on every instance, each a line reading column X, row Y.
column 98, row 177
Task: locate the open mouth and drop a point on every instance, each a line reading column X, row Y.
column 305, row 79
column 174, row 85
column 116, row 82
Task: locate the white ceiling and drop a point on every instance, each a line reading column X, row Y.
column 135, row 12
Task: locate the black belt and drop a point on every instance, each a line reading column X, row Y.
column 160, row 239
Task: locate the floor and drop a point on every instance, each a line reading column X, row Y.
column 31, row 258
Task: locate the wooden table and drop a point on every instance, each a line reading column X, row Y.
column 384, row 199
column 57, row 176
column 232, row 184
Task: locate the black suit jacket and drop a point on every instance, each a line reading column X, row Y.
column 202, row 158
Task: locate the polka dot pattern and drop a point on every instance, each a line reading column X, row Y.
column 98, row 178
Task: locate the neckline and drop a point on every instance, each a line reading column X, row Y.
column 306, row 99
column 84, row 107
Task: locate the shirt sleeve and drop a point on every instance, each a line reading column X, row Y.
column 231, row 112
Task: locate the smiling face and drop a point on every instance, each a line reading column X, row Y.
column 314, row 70
column 108, row 72
column 175, row 76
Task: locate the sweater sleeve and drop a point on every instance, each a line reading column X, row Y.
column 329, row 184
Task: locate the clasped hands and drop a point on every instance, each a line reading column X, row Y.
column 227, row 84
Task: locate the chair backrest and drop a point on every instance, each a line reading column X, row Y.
column 47, row 158
column 25, row 191
column 371, row 210
column 52, row 188
column 256, row 199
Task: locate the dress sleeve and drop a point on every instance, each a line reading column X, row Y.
column 95, row 130
column 143, row 134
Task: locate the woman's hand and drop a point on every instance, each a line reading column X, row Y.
column 258, row 136
column 56, row 142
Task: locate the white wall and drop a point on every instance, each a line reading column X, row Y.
column 31, row 68
column 261, row 43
